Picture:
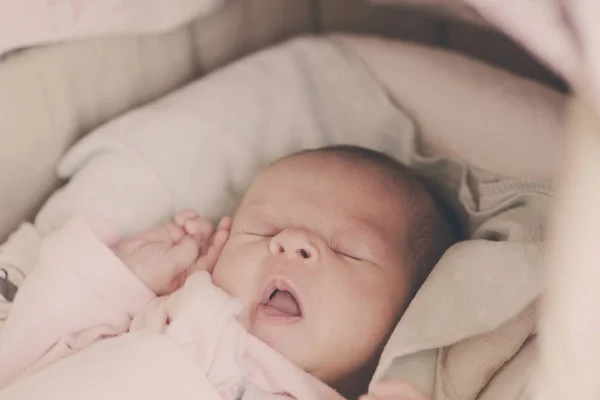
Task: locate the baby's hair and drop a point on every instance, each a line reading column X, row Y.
column 433, row 226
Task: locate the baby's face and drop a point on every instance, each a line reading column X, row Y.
column 317, row 257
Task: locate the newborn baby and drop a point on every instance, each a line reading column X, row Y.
column 322, row 257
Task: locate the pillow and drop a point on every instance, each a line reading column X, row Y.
column 201, row 146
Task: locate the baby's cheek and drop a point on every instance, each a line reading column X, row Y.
column 354, row 317
column 376, row 326
column 229, row 274
column 230, row 277
column 221, row 272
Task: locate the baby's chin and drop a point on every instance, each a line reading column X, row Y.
column 294, row 342
column 276, row 331
column 286, row 332
column 283, row 336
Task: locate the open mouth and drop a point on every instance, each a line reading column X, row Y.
column 281, row 302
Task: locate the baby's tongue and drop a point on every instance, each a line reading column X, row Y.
column 283, row 304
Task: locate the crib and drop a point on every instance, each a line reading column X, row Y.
column 506, row 104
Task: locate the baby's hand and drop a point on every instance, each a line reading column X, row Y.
column 163, row 257
column 394, row 390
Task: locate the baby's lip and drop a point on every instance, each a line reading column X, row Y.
column 282, row 284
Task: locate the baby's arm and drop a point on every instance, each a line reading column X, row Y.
column 78, row 292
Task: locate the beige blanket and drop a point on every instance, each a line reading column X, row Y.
column 475, row 316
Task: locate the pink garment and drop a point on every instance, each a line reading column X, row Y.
column 80, row 292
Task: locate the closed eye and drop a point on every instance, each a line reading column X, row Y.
column 265, row 235
column 347, row 255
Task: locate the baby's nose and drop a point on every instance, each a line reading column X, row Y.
column 294, row 243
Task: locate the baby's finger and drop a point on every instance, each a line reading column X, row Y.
column 218, row 241
column 204, row 245
column 178, row 282
column 208, row 261
column 214, row 252
column 225, row 224
column 175, row 232
column 181, row 256
column 169, row 233
column 198, row 226
column 185, row 215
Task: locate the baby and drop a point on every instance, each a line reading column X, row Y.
column 323, row 255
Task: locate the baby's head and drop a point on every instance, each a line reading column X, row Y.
column 326, row 250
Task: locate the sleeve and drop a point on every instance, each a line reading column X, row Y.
column 78, row 292
column 198, row 315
